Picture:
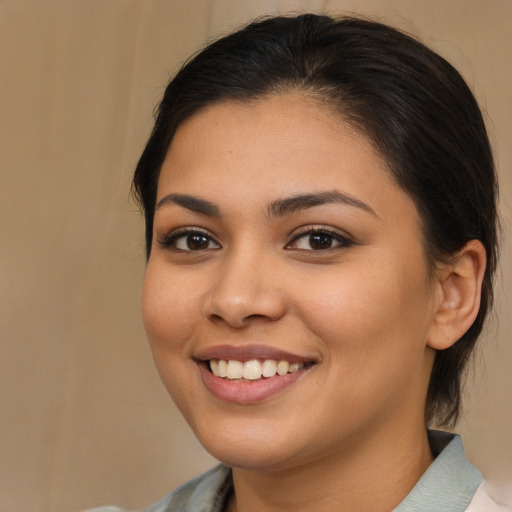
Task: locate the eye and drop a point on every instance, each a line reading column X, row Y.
column 189, row 240
column 319, row 239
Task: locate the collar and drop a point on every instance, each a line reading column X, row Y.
column 450, row 482
column 208, row 492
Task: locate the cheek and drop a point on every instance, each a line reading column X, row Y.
column 167, row 311
column 168, row 321
column 367, row 317
column 373, row 330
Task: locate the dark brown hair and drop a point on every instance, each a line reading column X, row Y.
column 410, row 102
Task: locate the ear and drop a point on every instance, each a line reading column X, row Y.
column 459, row 288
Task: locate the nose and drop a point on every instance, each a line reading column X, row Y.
column 246, row 289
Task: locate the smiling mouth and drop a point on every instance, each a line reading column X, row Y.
column 254, row 369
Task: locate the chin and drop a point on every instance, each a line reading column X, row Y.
column 252, row 458
column 252, row 447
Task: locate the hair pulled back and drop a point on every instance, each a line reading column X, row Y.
column 412, row 105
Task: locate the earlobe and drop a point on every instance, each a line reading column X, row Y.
column 459, row 291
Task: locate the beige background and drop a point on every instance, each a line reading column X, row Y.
column 84, row 420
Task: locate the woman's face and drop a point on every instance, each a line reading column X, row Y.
column 280, row 236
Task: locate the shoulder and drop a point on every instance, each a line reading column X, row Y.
column 205, row 493
column 483, row 502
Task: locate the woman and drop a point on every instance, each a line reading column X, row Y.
column 320, row 205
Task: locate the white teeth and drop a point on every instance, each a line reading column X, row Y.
column 269, row 368
column 253, row 369
column 223, row 369
column 214, row 365
column 235, row 370
column 295, row 367
column 282, row 367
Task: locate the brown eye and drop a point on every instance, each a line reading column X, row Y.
column 320, row 241
column 315, row 239
column 189, row 241
column 197, row 242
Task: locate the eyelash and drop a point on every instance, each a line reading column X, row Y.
column 342, row 241
column 170, row 240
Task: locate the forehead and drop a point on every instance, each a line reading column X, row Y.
column 273, row 147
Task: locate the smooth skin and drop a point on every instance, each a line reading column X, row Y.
column 342, row 281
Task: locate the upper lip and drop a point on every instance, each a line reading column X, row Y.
column 248, row 352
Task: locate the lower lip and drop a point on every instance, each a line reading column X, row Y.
column 249, row 392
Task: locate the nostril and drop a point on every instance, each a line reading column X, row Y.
column 254, row 316
column 238, row 322
column 237, row 300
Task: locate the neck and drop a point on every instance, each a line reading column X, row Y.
column 372, row 477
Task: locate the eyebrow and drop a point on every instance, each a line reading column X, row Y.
column 300, row 202
column 192, row 203
column 278, row 208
